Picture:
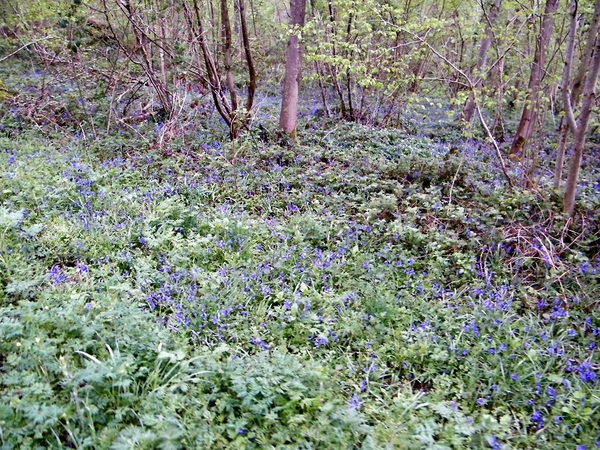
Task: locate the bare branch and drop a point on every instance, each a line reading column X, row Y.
column 45, row 38
column 495, row 144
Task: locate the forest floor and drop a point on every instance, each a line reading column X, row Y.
column 364, row 288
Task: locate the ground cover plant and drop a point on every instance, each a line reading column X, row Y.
column 363, row 289
column 345, row 286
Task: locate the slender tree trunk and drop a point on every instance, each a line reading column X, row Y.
column 417, row 73
column 568, row 121
column 581, row 131
column 229, row 109
column 321, row 77
column 490, row 18
column 349, row 93
column 530, row 110
column 291, row 85
column 333, row 72
column 498, row 125
column 571, row 89
column 587, row 54
column 226, row 42
column 197, row 28
column 145, row 61
column 161, row 52
column 248, row 56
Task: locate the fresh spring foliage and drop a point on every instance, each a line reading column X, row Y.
column 366, row 289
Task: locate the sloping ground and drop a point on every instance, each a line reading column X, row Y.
column 365, row 290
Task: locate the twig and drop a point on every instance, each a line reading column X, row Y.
column 495, row 144
column 454, row 181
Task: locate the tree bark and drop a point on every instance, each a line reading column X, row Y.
column 490, row 17
column 333, row 72
column 587, row 55
column 568, row 121
column 226, row 42
column 348, row 53
column 291, row 85
column 571, row 89
column 248, row 56
column 581, row 131
column 530, row 110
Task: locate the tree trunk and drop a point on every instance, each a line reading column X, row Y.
column 332, row 68
column 530, row 110
column 291, row 85
column 587, row 55
column 226, row 42
column 490, row 18
column 417, row 74
column 568, row 122
column 248, row 56
column 571, row 89
column 145, row 61
column 582, row 124
column 323, row 91
column 351, row 115
column 197, row 29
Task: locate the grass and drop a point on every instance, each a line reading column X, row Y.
column 366, row 289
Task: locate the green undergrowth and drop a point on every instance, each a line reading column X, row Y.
column 366, row 289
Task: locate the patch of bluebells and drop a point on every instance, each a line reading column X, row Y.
column 587, row 372
column 319, row 341
column 538, row 418
column 57, row 276
column 259, row 342
column 190, row 303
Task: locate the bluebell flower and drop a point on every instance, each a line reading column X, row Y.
column 586, row 372
column 320, row 341
column 355, row 402
column 538, row 418
column 56, row 276
column 259, row 342
column 493, row 441
column 363, row 385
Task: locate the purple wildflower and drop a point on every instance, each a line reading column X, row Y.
column 538, row 418
column 355, row 402
column 56, row 276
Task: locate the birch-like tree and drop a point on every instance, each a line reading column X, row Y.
column 571, row 86
column 591, row 68
column 291, row 84
column 530, row 108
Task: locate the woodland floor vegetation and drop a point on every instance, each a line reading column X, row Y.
column 363, row 288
